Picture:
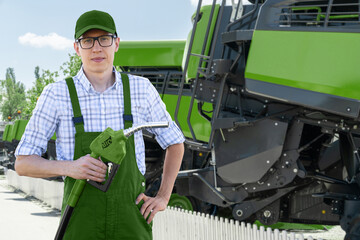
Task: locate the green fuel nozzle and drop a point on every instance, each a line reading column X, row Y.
column 110, row 145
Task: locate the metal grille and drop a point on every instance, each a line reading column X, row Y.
column 174, row 83
column 331, row 13
column 165, row 81
column 158, row 79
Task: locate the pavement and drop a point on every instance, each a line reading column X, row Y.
column 27, row 218
column 335, row 233
column 24, row 217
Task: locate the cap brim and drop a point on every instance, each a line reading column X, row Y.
column 87, row 28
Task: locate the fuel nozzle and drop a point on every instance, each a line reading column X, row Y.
column 111, row 146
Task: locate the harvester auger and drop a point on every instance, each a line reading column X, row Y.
column 268, row 97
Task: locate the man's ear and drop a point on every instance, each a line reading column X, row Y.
column 76, row 48
column 117, row 41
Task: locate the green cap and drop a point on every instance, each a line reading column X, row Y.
column 94, row 20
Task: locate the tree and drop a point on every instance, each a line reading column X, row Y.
column 13, row 96
column 71, row 67
column 33, row 94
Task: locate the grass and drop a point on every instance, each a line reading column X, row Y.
column 297, row 226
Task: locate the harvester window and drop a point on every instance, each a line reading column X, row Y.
column 319, row 14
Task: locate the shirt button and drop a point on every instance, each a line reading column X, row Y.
column 143, row 184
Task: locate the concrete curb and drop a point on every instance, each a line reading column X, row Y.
column 50, row 192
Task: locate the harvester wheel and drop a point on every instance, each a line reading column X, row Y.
column 179, row 201
column 10, row 166
column 354, row 229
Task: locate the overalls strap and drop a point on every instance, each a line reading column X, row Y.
column 78, row 118
column 128, row 119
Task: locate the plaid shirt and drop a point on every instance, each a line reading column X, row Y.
column 53, row 112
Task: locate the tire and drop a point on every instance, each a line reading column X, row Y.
column 354, row 229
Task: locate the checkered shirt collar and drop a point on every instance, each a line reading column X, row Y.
column 81, row 77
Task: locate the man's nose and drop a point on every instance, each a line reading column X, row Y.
column 96, row 46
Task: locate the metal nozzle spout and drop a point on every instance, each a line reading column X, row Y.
column 130, row 131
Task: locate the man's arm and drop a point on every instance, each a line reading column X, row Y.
column 84, row 168
column 172, row 163
column 39, row 130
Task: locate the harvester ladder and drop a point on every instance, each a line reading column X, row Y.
column 237, row 19
column 200, row 70
column 207, row 72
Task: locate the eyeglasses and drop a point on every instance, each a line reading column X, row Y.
column 88, row 42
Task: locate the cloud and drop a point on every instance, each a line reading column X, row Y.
column 209, row 2
column 204, row 2
column 52, row 40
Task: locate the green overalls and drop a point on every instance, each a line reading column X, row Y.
column 112, row 214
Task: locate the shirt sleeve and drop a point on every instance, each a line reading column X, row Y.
column 41, row 126
column 157, row 113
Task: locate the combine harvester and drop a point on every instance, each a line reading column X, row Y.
column 11, row 138
column 268, row 97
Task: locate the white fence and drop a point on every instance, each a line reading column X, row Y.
column 50, row 192
column 174, row 224
column 177, row 224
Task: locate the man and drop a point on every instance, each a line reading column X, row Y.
column 78, row 109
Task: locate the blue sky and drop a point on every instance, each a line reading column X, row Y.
column 40, row 32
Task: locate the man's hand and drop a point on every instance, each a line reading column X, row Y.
column 152, row 205
column 87, row 167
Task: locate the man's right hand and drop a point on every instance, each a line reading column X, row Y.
column 87, row 167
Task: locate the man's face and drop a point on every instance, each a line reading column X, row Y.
column 97, row 59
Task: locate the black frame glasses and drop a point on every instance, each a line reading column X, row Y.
column 101, row 40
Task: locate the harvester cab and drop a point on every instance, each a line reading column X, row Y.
column 267, row 95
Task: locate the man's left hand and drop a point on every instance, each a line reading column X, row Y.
column 152, row 205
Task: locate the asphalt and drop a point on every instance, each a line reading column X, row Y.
column 24, row 217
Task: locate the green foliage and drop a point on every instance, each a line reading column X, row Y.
column 71, row 67
column 13, row 96
column 12, row 93
column 33, row 94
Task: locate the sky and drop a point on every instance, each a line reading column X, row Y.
column 41, row 32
